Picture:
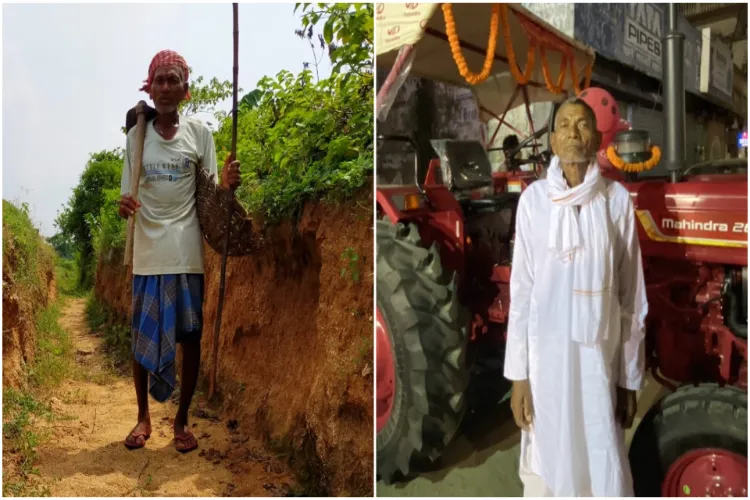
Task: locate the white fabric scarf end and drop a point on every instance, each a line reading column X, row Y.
column 583, row 239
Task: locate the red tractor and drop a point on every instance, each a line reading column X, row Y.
column 444, row 251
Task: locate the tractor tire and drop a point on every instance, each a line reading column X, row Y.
column 427, row 328
column 706, row 416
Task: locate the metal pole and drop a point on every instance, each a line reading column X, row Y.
column 222, row 283
column 673, row 79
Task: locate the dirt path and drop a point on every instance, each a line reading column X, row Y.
column 86, row 455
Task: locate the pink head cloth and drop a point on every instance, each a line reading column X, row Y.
column 166, row 58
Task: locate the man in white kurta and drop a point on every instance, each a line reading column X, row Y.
column 575, row 349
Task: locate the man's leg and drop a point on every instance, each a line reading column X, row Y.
column 142, row 430
column 191, row 358
column 137, row 437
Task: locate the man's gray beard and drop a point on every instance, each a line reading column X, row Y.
column 582, row 159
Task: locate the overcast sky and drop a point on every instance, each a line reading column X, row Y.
column 71, row 72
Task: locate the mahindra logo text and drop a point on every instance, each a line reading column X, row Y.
column 709, row 226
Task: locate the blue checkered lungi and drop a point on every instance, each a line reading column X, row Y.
column 167, row 309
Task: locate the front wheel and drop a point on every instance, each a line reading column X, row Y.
column 421, row 334
column 693, row 443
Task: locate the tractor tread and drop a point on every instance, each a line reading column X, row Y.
column 692, row 417
column 434, row 329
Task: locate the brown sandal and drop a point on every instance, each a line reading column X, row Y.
column 185, row 439
column 135, row 437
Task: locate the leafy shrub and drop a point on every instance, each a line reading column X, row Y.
column 112, row 228
column 303, row 141
column 79, row 219
column 26, row 256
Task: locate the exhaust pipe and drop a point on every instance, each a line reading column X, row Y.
column 673, row 79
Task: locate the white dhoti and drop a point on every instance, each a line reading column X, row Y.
column 576, row 331
column 533, row 484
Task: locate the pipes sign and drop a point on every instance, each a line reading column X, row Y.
column 643, row 34
column 632, row 34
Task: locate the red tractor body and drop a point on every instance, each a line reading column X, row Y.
column 693, row 237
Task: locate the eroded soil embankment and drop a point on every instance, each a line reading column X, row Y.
column 21, row 302
column 295, row 352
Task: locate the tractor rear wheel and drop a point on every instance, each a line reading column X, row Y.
column 693, row 443
column 421, row 335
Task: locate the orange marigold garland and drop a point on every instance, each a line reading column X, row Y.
column 463, row 69
column 574, row 74
column 524, row 78
column 500, row 13
column 619, row 164
column 552, row 87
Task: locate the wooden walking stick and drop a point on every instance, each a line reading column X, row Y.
column 217, row 326
column 135, row 175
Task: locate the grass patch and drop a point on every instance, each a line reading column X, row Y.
column 117, row 339
column 54, row 352
column 20, row 439
column 350, row 260
column 28, row 266
column 66, row 276
column 364, row 352
column 52, row 364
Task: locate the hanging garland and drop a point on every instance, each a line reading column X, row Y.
column 489, row 59
column 558, row 87
column 524, row 78
column 619, row 164
column 500, row 13
column 574, row 74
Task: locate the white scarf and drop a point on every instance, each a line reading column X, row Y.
column 585, row 240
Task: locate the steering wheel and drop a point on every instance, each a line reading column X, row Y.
column 543, row 158
column 527, row 142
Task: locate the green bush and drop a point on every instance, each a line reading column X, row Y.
column 67, row 274
column 111, row 232
column 26, row 256
column 303, row 141
column 79, row 219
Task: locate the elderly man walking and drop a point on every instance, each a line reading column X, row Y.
column 575, row 349
column 168, row 247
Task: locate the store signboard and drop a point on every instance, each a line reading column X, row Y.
column 633, row 34
column 717, row 67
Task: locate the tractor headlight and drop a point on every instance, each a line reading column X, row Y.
column 633, row 146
